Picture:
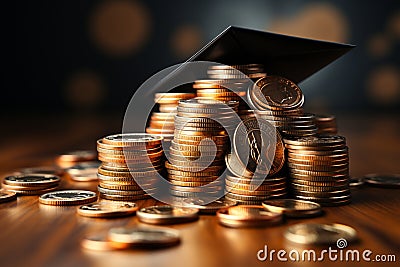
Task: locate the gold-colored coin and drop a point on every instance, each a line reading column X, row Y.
column 133, row 140
column 107, row 209
column 316, row 233
column 293, row 207
column 144, row 237
column 98, row 242
column 125, row 198
column 6, row 196
column 167, row 215
column 248, row 216
column 68, row 197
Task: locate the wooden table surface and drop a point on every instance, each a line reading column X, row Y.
column 32, row 234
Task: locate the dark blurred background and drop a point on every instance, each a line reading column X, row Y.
column 77, row 63
column 90, row 56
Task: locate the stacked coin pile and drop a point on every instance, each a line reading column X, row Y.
column 319, row 169
column 223, row 72
column 162, row 122
column 290, row 124
column 130, row 165
column 326, row 124
column 229, row 83
column 200, row 142
column 31, row 184
column 254, row 167
column 222, row 90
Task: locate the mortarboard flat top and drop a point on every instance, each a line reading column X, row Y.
column 292, row 57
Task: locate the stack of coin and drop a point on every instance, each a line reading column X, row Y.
column 162, row 122
column 255, row 166
column 222, row 90
column 69, row 159
column 223, row 72
column 326, row 124
column 199, row 146
column 130, row 164
column 319, row 169
column 31, row 184
column 290, row 123
column 229, row 82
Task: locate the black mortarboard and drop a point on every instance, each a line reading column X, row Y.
column 292, row 57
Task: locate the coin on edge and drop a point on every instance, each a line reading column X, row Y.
column 143, row 237
column 68, row 197
column 107, row 209
column 167, row 215
column 317, row 233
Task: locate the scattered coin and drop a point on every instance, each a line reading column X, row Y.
column 48, row 170
column 205, row 206
column 248, row 216
column 98, row 242
column 293, row 207
column 69, row 159
column 143, row 237
column 107, row 209
column 68, row 197
column 383, row 180
column 356, row 182
column 6, row 196
column 316, row 233
column 31, row 184
column 167, row 214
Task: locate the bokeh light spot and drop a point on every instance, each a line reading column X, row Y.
column 394, row 25
column 186, row 40
column 383, row 85
column 321, row 21
column 85, row 89
column 379, row 45
column 120, row 27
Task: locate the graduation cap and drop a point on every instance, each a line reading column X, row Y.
column 292, row 57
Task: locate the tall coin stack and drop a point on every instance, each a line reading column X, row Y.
column 130, row 163
column 279, row 101
column 229, row 77
column 319, row 169
column 200, row 143
column 255, row 165
column 162, row 122
column 326, row 124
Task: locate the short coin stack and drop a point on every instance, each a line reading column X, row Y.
column 254, row 167
column 319, row 169
column 229, row 82
column 31, row 184
column 130, row 164
column 162, row 122
column 326, row 124
column 200, row 142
